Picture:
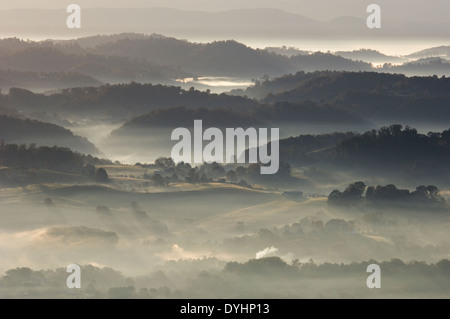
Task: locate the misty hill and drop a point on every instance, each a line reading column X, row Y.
column 25, row 131
column 393, row 147
column 8, row 111
column 375, row 96
column 324, row 85
column 11, row 45
column 79, row 44
column 306, row 112
column 325, row 61
column 118, row 101
column 109, row 69
column 22, row 165
column 319, row 97
column 310, row 149
column 138, row 57
column 328, row 85
column 367, row 55
column 56, row 158
column 423, row 66
column 391, row 152
column 226, row 58
column 183, row 117
column 439, row 51
column 287, row 51
column 41, row 81
column 259, row 116
column 230, row 58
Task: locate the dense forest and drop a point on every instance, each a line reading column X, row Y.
column 375, row 96
column 398, row 149
column 55, row 158
column 19, row 130
column 260, row 116
column 390, row 152
column 423, row 196
column 22, row 165
column 118, row 101
column 319, row 97
column 330, row 84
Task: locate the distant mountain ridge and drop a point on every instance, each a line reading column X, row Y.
column 250, row 22
column 154, row 58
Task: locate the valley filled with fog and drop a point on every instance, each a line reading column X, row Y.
column 87, row 178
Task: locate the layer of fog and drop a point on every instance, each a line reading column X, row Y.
column 133, row 231
column 149, row 239
column 146, row 145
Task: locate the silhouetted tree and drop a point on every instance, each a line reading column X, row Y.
column 231, row 176
column 101, row 175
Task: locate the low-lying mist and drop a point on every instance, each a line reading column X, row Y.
column 185, row 240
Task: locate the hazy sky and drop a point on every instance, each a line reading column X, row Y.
column 435, row 11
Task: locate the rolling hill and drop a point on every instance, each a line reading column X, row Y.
column 25, row 131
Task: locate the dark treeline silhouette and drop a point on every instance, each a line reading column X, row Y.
column 304, row 148
column 390, row 151
column 372, row 95
column 172, row 106
column 387, row 195
column 425, row 66
column 167, row 171
column 261, row 116
column 120, row 100
column 106, row 282
column 184, row 117
column 319, row 97
column 277, row 266
column 310, row 149
column 44, row 157
column 306, row 112
column 396, row 147
column 327, row 85
column 18, row 130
